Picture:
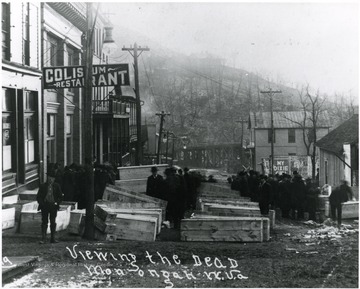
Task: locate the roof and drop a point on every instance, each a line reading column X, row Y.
column 285, row 119
column 347, row 132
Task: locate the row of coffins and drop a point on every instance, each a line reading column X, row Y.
column 224, row 216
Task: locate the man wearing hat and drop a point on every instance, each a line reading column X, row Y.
column 264, row 195
column 49, row 198
column 154, row 184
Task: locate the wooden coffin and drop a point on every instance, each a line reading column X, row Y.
column 10, row 199
column 113, row 193
column 138, row 186
column 234, row 210
column 205, row 205
column 222, row 229
column 105, row 218
column 77, row 222
column 155, row 213
column 30, row 220
column 266, row 222
column 133, row 227
column 139, row 172
column 120, row 205
column 350, row 210
column 7, row 217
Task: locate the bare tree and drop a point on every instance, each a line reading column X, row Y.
column 312, row 107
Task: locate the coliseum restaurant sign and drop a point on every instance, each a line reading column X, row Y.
column 73, row 76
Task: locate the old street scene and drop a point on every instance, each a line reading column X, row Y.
column 178, row 144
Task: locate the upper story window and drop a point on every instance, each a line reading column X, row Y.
column 53, row 52
column 26, row 34
column 5, row 27
column 291, row 135
column 270, row 136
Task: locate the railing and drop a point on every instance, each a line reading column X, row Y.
column 110, row 106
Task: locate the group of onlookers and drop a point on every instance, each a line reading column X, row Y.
column 293, row 195
column 178, row 188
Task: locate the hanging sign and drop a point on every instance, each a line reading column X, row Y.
column 74, row 76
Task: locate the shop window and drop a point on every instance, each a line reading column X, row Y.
column 29, row 126
column 51, row 138
column 8, row 144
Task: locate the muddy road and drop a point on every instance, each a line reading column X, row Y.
column 298, row 255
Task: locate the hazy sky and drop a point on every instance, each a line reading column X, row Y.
column 314, row 43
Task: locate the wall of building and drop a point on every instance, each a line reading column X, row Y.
column 21, row 97
column 63, row 106
column 331, row 169
column 282, row 147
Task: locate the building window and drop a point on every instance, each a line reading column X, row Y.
column 26, row 35
column 8, row 144
column 69, row 138
column 29, row 126
column 5, row 27
column 270, row 136
column 52, row 48
column 73, row 60
column 51, row 138
column 291, row 135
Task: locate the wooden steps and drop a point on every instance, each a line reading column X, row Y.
column 239, row 229
column 29, row 195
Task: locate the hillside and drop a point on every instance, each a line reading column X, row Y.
column 204, row 96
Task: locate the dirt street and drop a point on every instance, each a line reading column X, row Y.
column 298, row 255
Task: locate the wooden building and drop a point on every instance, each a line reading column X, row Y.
column 339, row 154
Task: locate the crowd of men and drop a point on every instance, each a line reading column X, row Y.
column 178, row 188
column 295, row 197
column 291, row 194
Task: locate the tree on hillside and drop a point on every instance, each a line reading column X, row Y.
column 342, row 109
column 312, row 106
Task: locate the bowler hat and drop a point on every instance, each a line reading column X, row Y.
column 154, row 169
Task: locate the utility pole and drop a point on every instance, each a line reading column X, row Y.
column 167, row 146
column 271, row 92
column 88, row 127
column 242, row 138
column 162, row 116
column 136, row 54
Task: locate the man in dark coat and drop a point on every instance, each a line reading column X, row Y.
column 285, row 195
column 298, row 190
column 49, row 198
column 338, row 196
column 154, row 184
column 264, row 195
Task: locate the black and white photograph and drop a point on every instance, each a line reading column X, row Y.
column 163, row 144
